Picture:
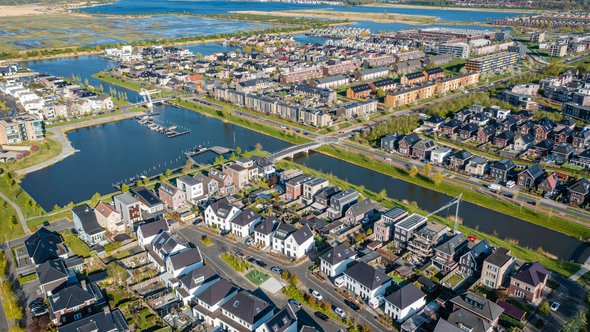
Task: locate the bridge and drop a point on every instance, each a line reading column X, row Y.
column 293, row 150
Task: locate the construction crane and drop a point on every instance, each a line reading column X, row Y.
column 456, row 201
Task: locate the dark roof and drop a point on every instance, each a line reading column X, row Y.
column 337, row 254
column 154, row 227
column 221, row 207
column 469, row 320
column 246, row 217
column 564, row 148
column 450, row 247
column 415, row 75
column 282, row 320
column 531, row 274
column 186, row 258
column 367, row 275
column 44, row 245
column 463, row 155
column 217, row 292
column 88, row 219
column 99, row 322
column 360, row 88
column 267, row 226
column 545, row 144
column 405, row 296
column 504, row 164
column 410, row 139
column 478, row 305
column 528, row 138
column 52, row 270
column 147, row 196
column 433, row 71
column 383, row 82
column 506, row 135
column 535, row 171
column 70, row 297
column 284, row 230
column 581, row 186
column 512, row 311
column 247, row 307
column 444, row 326
column 499, row 257
column 302, row 234
column 435, row 119
column 198, row 276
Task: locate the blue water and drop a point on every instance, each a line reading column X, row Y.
column 220, row 7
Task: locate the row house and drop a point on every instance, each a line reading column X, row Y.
column 496, row 268
column 220, row 213
column 297, row 75
column 358, row 109
column 447, row 254
column 150, row 205
column 173, row 198
column 264, row 231
column 194, row 189
column 294, row 187
column 384, row 227
column 225, row 184
column 341, row 202
column 410, row 95
column 336, row 260
column 292, row 242
column 311, row 187
column 366, row 281
column 361, row 91
column 362, row 211
column 470, row 263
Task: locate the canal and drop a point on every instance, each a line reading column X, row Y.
column 117, row 151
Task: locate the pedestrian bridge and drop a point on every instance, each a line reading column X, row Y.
column 293, row 150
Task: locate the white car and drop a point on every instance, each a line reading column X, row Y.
column 339, row 312
column 510, row 184
column 339, row 282
column 250, row 241
column 554, row 306
column 387, row 158
column 317, row 295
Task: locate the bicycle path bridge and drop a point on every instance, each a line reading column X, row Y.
column 291, row 151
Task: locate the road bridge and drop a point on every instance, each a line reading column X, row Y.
column 293, row 150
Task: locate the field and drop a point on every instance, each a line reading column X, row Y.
column 350, row 16
column 48, row 149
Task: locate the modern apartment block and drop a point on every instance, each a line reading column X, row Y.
column 491, row 62
column 21, row 129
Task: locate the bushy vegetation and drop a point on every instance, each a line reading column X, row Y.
column 401, row 124
column 448, row 107
column 235, row 262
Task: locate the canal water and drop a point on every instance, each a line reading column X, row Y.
column 117, row 151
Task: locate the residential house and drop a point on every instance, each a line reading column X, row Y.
column 109, row 218
column 219, row 214
column 496, row 268
column 172, row 197
column 486, row 134
column 45, row 245
column 426, row 238
column 404, row 302
column 470, row 262
column 294, row 186
column 451, row 127
column 340, row 202
column 543, row 148
column 244, row 312
column 446, row 255
column 362, row 211
column 208, row 302
column 284, row 320
column 529, row 282
column 550, row 183
column 406, row 228
column 311, row 187
column 477, row 166
column 467, row 131
column 504, row 139
column 562, row 153
column 321, row 200
column 500, row 169
column 195, row 282
column 128, row 206
column 74, row 302
column 581, row 139
column 366, row 281
column 225, row 184
column 103, row 321
column 406, row 143
column 163, row 246
column 150, row 205
column 422, row 149
column 578, row 192
column 530, row 177
column 243, row 223
column 53, row 274
column 299, row 243
column 460, row 159
column 193, row 188
column 264, row 230
column 440, row 155
column 87, row 225
column 334, row 261
column 384, row 227
column 477, row 305
column 148, row 231
column 183, row 261
column 524, row 142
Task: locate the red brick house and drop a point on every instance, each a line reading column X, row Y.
column 579, row 192
column 528, row 283
column 486, row 134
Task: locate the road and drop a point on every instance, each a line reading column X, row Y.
column 194, row 233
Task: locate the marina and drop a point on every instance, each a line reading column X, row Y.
column 170, row 131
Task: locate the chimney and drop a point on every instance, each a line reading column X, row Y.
column 106, row 309
column 83, row 285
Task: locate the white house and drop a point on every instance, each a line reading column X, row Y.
column 284, row 320
column 292, row 242
column 404, row 302
column 243, row 224
column 220, row 213
column 193, row 188
column 440, row 155
column 366, row 281
column 195, row 282
column 336, row 260
column 209, row 301
column 183, row 262
column 244, row 311
column 264, row 230
column 87, row 225
column 147, row 232
column 162, row 246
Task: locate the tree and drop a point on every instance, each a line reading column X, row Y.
column 383, row 194
column 199, row 56
column 117, row 273
column 544, row 308
column 380, row 93
column 427, row 169
column 94, row 199
column 168, row 173
column 55, row 208
column 247, row 48
column 437, row 178
column 139, row 183
column 239, row 151
column 413, row 171
column 124, row 187
column 258, row 147
column 13, row 219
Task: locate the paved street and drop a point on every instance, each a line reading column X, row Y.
column 221, row 245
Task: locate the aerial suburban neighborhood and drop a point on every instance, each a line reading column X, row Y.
column 300, row 165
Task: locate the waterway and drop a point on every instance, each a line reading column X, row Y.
column 116, row 151
column 130, row 7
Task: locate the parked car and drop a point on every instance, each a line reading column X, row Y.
column 260, row 263
column 321, row 316
column 295, row 303
column 46, row 223
column 276, row 269
column 251, row 259
column 241, row 255
column 510, row 184
column 554, row 306
column 36, row 302
column 339, row 312
column 352, row 305
column 39, row 310
column 249, row 241
column 316, row 294
column 339, row 282
column 387, row 159
column 224, row 233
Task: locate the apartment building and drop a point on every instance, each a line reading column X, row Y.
column 496, row 268
column 491, row 62
column 21, row 129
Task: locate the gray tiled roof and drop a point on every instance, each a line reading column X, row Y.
column 337, row 254
column 51, row 271
column 478, row 305
column 282, row 320
column 88, row 219
column 303, row 234
column 247, row 307
column 246, row 217
column 154, row 227
column 367, row 275
column 186, row 258
column 217, row 292
column 44, row 245
column 198, row 277
column 70, row 297
column 405, row 296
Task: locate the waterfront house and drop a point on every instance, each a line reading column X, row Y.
column 150, row 205
column 404, row 302
column 193, row 188
column 172, row 197
column 405, row 229
column 578, row 192
column 366, row 281
column 384, row 227
column 340, row 202
column 334, row 261
column 496, row 268
column 45, row 245
column 195, row 282
column 294, row 187
column 362, row 211
column 321, row 199
column 477, row 166
column 87, row 225
column 243, row 223
column 460, row 159
column 264, row 230
column 528, row 282
column 530, row 177
column 470, row 262
column 128, row 206
column 225, row 183
column 389, row 142
column 426, row 238
column 311, row 187
column 469, row 303
column 219, row 214
column 422, row 149
column 500, row 170
column 446, row 255
column 148, row 231
column 562, row 153
column 109, row 218
column 405, row 143
column 440, row 155
column 550, row 183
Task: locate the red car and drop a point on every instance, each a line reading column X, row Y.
column 341, row 132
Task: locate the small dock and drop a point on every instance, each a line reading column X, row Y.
column 216, row 150
column 170, row 131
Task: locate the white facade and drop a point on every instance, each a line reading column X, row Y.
column 400, row 314
column 336, row 269
column 220, row 221
column 193, row 189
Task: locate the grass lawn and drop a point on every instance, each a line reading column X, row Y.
column 256, row 277
column 27, row 278
column 563, row 267
column 48, row 149
column 397, row 278
column 235, row 262
column 8, row 229
column 77, row 246
column 128, row 84
column 206, row 241
column 454, row 280
column 82, row 119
